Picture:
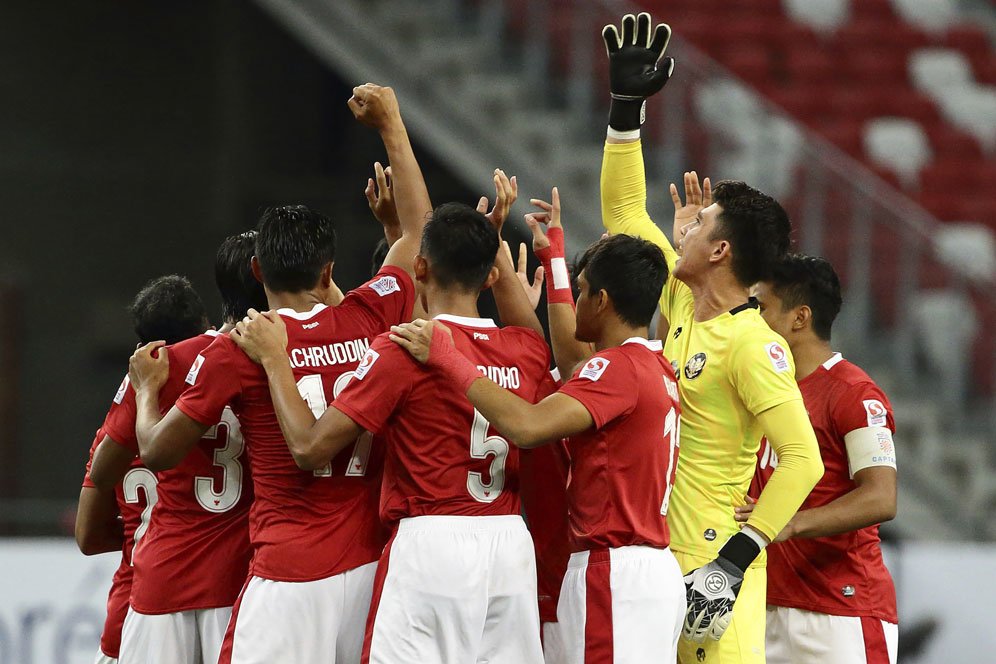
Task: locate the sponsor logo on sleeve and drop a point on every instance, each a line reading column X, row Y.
column 876, row 412
column 119, row 395
column 696, row 363
column 385, row 286
column 594, row 368
column 195, row 369
column 778, row 357
column 677, row 332
column 366, row 364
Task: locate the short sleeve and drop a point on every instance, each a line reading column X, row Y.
column 119, row 423
column 763, row 371
column 379, row 384
column 862, row 405
column 605, row 387
column 87, row 482
column 213, row 382
column 389, row 297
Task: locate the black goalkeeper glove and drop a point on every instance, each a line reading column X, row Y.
column 712, row 589
column 637, row 68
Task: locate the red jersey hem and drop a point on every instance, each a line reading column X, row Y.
column 194, row 415
column 356, row 416
column 184, row 607
column 309, row 578
column 833, row 610
column 131, row 444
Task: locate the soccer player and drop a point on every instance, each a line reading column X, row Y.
column 622, row 598
column 315, row 533
column 179, row 613
column 119, row 493
column 830, row 598
column 735, row 375
column 457, row 582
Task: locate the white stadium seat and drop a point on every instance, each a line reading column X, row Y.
column 820, row 15
column 974, row 111
column 898, row 144
column 938, row 70
column 934, row 15
column 967, row 246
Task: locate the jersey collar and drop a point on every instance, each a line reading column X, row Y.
column 302, row 315
column 751, row 303
column 212, row 333
column 654, row 345
column 469, row 322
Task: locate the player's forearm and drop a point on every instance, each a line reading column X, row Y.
column 568, row 352
column 296, row 420
column 511, row 299
column 862, row 507
column 98, row 528
column 511, row 415
column 410, row 193
column 156, row 454
column 800, row 467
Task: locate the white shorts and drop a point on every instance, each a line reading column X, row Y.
column 553, row 644
column 795, row 636
column 310, row 621
column 456, row 589
column 186, row 637
column 621, row 606
column 103, row 659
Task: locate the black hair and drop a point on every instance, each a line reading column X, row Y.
column 460, row 245
column 755, row 225
column 809, row 280
column 293, row 244
column 632, row 271
column 378, row 257
column 237, row 285
column 168, row 308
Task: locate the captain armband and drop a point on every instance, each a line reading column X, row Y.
column 868, row 447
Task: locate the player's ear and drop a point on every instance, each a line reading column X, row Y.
column 720, row 250
column 803, row 318
column 421, row 269
column 325, row 280
column 257, row 271
column 492, row 278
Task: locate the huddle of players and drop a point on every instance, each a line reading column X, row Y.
column 410, row 545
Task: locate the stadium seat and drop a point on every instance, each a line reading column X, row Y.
column 968, row 39
column 933, row 15
column 897, row 144
column 845, row 133
column 938, row 70
column 809, row 66
column 823, row 16
column 952, row 143
column 867, row 68
column 973, row 110
column 970, row 247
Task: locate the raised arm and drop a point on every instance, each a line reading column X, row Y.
column 380, row 198
column 377, row 107
column 312, row 443
column 163, row 442
column 568, row 352
column 513, row 303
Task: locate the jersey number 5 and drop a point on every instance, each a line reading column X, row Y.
column 313, row 392
column 481, row 446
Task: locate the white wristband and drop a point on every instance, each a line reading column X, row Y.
column 754, row 535
column 623, row 135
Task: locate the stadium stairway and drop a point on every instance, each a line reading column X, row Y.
column 472, row 99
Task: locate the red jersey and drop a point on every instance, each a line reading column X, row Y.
column 203, row 508
column 306, row 525
column 622, row 469
column 442, row 456
column 841, row 575
column 136, row 496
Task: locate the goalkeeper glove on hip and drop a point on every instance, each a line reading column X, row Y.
column 637, row 68
column 712, row 589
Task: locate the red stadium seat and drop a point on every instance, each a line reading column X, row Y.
column 951, row 143
column 805, row 103
column 808, row 67
column 968, row 39
column 845, row 133
column 873, row 10
column 864, row 67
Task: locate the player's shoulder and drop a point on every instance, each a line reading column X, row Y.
column 848, row 374
column 190, row 348
column 753, row 341
column 389, row 279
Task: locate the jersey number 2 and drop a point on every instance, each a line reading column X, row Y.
column 313, row 392
column 133, row 480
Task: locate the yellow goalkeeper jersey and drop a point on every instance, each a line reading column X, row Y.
column 730, row 369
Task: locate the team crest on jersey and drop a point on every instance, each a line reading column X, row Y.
column 119, row 395
column 696, row 363
column 876, row 412
column 195, row 369
column 778, row 357
column 366, row 363
column 385, row 286
column 594, row 368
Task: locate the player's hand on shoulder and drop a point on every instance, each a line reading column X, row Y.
column 148, row 367
column 425, row 340
column 710, row 592
column 375, row 106
column 380, row 198
column 506, row 193
column 261, row 336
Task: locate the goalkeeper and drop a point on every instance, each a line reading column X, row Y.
column 736, row 376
